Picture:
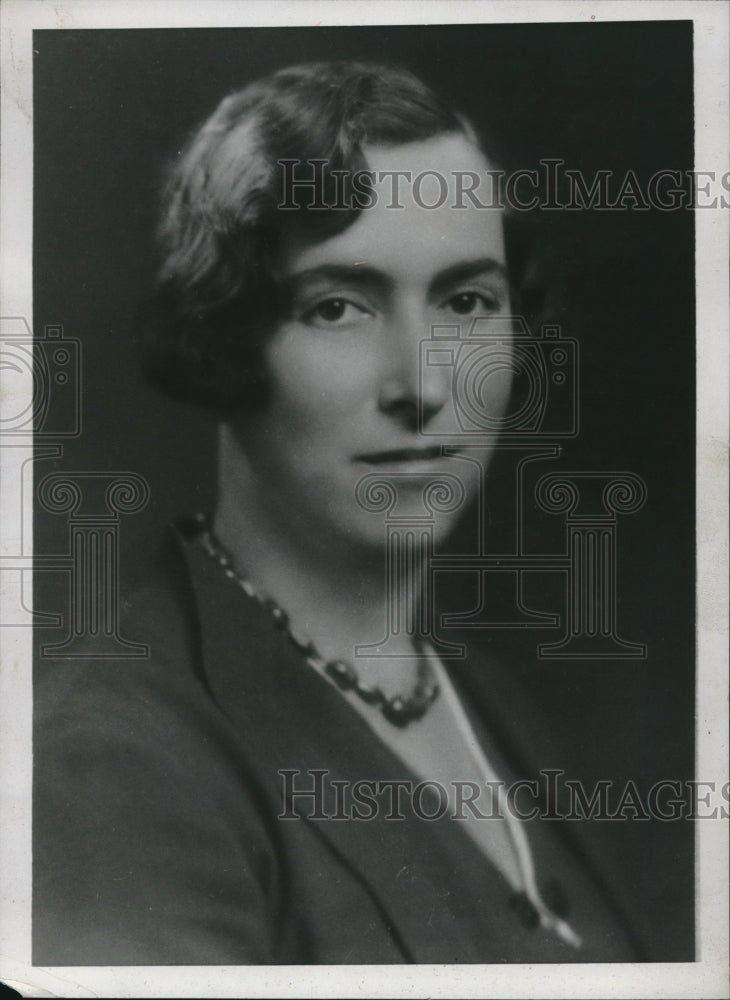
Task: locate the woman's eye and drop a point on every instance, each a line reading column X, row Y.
column 466, row 303
column 334, row 311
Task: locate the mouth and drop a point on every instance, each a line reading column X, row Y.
column 401, row 456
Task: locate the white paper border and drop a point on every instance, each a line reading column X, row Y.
column 705, row 978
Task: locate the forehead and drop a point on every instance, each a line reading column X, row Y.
column 421, row 221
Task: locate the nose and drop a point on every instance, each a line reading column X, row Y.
column 410, row 392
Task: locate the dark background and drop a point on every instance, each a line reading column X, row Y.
column 112, row 106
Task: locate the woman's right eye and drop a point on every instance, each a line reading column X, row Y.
column 334, row 311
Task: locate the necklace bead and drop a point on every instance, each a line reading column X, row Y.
column 278, row 614
column 370, row 694
column 342, row 673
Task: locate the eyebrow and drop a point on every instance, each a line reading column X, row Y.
column 365, row 275
column 350, row 274
column 465, row 270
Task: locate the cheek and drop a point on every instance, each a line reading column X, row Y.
column 503, row 391
column 316, row 380
column 483, row 379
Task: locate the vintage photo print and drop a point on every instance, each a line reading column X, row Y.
column 364, row 515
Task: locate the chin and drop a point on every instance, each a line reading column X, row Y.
column 372, row 531
column 365, row 518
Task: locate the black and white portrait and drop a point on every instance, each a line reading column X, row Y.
column 362, row 489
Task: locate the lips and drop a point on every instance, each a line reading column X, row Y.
column 400, row 455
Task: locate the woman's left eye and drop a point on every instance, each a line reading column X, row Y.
column 465, row 303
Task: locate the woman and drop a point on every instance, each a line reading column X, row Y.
column 239, row 800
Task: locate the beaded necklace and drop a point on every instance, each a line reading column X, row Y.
column 398, row 709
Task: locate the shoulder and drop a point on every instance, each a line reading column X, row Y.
column 155, row 705
column 143, row 801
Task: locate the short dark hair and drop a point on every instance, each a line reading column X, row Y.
column 216, row 296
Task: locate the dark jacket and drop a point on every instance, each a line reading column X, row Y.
column 158, row 836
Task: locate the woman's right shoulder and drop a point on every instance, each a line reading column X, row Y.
column 148, row 821
column 157, row 699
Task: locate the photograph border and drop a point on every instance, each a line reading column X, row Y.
column 707, row 976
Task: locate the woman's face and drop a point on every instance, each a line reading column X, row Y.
column 347, row 375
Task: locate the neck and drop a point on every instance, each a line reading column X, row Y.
column 333, row 592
